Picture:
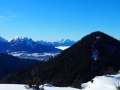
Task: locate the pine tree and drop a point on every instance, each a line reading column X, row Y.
column 29, row 83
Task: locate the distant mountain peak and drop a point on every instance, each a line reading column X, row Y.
column 61, row 42
column 17, row 37
column 19, row 43
column 20, row 38
column 28, row 41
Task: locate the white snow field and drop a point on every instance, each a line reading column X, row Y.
column 13, row 87
column 22, row 87
column 108, row 82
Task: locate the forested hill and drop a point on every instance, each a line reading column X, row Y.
column 95, row 54
column 9, row 63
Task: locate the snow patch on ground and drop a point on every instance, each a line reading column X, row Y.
column 102, row 83
column 22, row 87
column 13, row 87
column 97, row 37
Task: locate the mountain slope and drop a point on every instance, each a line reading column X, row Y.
column 9, row 63
column 95, row 54
column 3, row 40
column 4, row 45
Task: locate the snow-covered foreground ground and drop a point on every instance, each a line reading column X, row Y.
column 22, row 87
column 99, row 83
column 12, row 87
column 103, row 83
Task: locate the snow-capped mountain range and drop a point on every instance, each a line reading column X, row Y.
column 62, row 42
column 31, row 43
column 27, row 45
column 24, row 47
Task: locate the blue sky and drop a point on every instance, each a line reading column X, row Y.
column 56, row 19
